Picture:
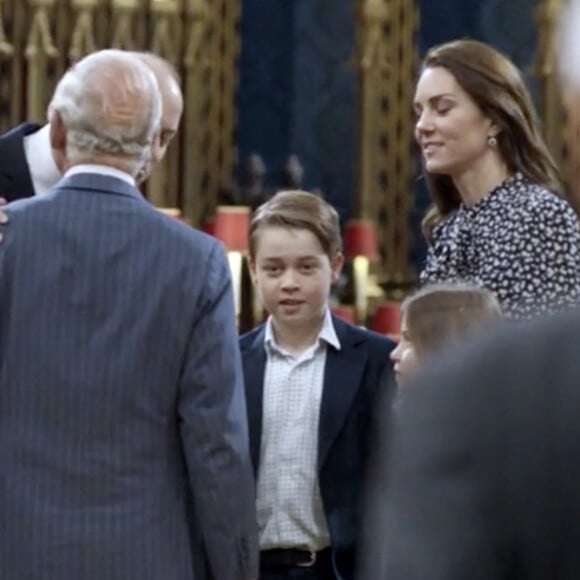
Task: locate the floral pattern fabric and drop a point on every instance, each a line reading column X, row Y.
column 521, row 242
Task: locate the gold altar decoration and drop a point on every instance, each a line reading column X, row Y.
column 386, row 57
column 40, row 49
column 83, row 39
column 211, row 43
column 124, row 13
column 546, row 70
column 561, row 118
column 6, row 48
column 40, row 39
column 197, row 64
column 163, row 182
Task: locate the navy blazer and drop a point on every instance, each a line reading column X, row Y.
column 123, row 432
column 354, row 378
column 15, row 179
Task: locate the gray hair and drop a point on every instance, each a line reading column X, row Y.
column 158, row 65
column 110, row 104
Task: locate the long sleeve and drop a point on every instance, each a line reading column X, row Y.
column 212, row 411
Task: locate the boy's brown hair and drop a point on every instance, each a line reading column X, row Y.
column 298, row 209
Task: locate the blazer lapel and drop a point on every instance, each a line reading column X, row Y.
column 254, row 362
column 342, row 378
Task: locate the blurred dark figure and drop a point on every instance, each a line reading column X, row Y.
column 482, row 477
column 293, row 174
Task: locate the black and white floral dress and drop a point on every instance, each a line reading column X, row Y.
column 521, row 242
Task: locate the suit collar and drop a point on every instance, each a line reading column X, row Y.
column 327, row 333
column 100, row 183
column 94, row 168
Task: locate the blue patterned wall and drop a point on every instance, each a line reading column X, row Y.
column 298, row 91
column 266, row 90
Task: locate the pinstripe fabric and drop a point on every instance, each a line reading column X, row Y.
column 121, row 397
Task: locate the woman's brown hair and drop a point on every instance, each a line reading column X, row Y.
column 441, row 313
column 497, row 87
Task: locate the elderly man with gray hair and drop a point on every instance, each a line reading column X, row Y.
column 123, row 437
column 27, row 166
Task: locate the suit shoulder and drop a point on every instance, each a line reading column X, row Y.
column 186, row 234
column 19, row 132
column 27, row 207
column 371, row 340
column 248, row 338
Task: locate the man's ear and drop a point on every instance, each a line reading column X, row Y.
column 57, row 132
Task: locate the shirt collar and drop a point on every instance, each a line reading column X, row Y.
column 38, row 152
column 101, row 170
column 327, row 333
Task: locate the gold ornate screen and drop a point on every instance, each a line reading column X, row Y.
column 386, row 62
column 561, row 123
column 39, row 39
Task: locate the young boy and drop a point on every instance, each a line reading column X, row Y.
column 312, row 382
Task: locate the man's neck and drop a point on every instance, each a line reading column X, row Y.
column 106, row 170
column 112, row 161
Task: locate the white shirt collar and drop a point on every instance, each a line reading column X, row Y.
column 38, row 154
column 101, row 170
column 327, row 333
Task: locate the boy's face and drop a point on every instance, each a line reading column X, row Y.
column 292, row 274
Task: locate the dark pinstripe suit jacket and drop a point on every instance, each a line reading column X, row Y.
column 121, row 394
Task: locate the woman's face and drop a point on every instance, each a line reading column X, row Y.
column 451, row 130
column 403, row 356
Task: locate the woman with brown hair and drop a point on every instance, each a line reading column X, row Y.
column 498, row 219
column 439, row 315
